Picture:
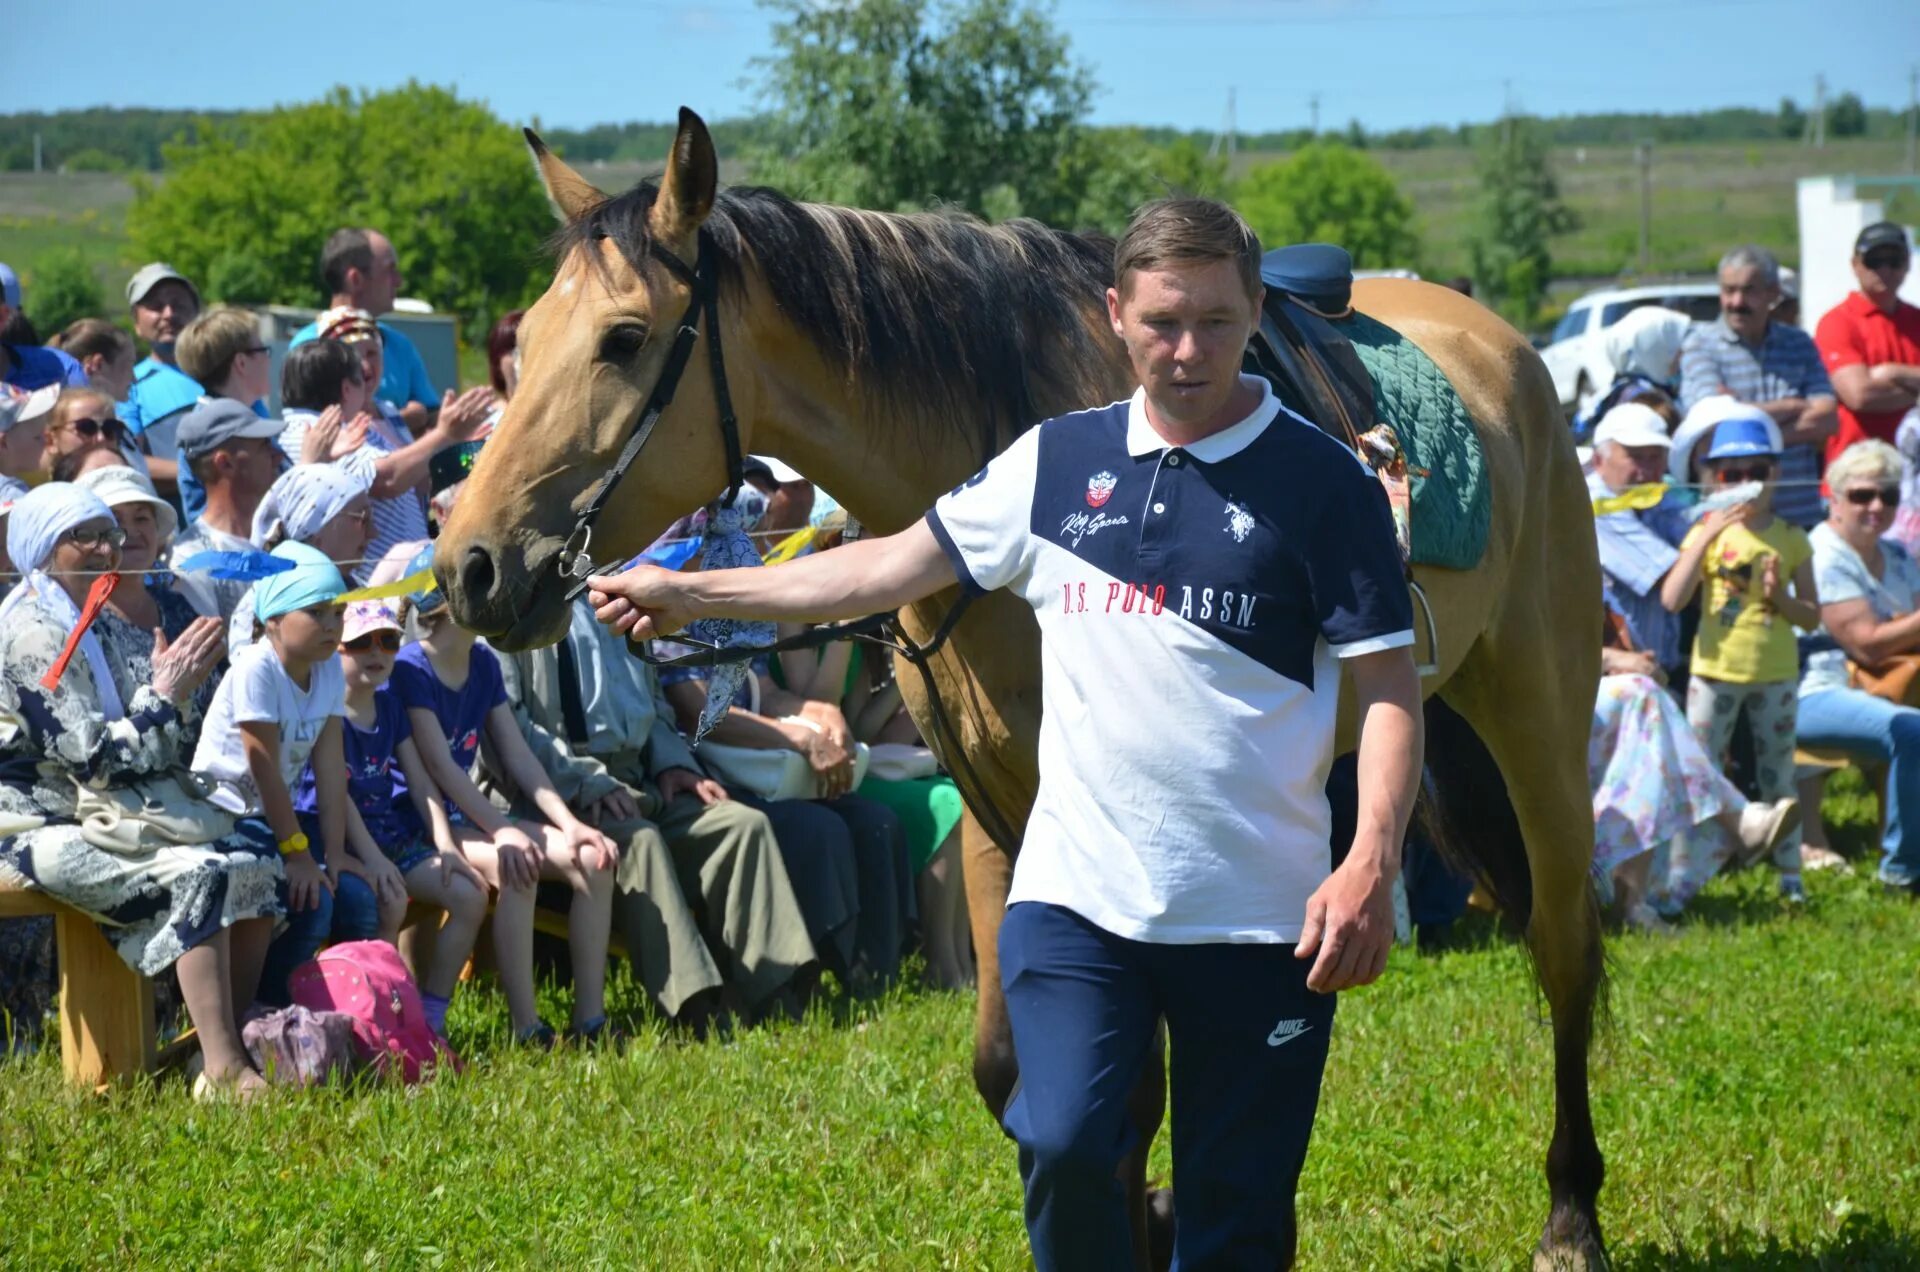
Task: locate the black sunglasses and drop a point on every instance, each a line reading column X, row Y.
column 1862, row 496
column 1733, row 476
column 1885, row 258
column 387, row 642
column 92, row 429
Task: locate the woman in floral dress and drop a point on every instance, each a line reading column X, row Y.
column 207, row 911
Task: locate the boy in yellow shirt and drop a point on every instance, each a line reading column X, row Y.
column 1759, row 576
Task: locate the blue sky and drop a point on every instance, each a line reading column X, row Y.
column 1388, row 63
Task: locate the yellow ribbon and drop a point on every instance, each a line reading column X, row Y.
column 791, row 546
column 1632, row 499
column 420, row 582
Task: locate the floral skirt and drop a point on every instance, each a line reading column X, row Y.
column 1651, row 778
column 153, row 906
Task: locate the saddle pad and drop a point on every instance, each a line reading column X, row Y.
column 1452, row 506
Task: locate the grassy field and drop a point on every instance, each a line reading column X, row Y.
column 1754, row 1091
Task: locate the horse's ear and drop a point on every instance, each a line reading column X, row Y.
column 689, row 183
column 570, row 193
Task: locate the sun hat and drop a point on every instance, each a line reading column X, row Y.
column 1707, row 415
column 346, row 324
column 369, row 616
column 1743, row 437
column 151, row 276
column 778, row 470
column 119, row 484
column 1633, row 425
column 17, row 407
column 313, row 580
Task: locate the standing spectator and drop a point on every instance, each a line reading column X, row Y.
column 222, row 350
column 503, row 354
column 1759, row 571
column 24, row 364
column 1644, row 348
column 1749, row 355
column 1637, row 547
column 360, row 271
column 1871, row 342
column 1869, row 614
column 231, row 452
column 164, row 304
column 103, row 351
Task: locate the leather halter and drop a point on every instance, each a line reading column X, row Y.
column 575, row 564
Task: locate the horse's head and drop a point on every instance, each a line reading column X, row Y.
column 592, row 350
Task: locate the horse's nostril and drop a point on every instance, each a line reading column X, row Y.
column 477, row 574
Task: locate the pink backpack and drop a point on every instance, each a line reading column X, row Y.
column 367, row 981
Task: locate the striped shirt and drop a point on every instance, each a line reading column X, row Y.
column 1636, row 551
column 1785, row 364
column 400, row 519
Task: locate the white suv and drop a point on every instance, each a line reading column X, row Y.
column 1577, row 355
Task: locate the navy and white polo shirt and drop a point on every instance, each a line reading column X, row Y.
column 1193, row 601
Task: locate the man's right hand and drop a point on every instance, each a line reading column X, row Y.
column 642, row 603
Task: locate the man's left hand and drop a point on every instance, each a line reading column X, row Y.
column 1349, row 928
column 675, row 782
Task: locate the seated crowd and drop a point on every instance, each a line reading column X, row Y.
column 335, row 767
column 1750, row 485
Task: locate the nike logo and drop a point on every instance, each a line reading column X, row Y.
column 1286, row 1031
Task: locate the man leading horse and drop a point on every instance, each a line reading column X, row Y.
column 1203, row 563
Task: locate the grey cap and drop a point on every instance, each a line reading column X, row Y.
column 217, row 421
column 151, row 276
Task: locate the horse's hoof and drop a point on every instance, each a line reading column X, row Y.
column 1160, row 1228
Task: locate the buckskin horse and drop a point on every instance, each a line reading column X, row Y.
column 887, row 356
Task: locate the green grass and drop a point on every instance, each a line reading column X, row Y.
column 1754, row 1091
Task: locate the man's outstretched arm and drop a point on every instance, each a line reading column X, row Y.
column 866, row 576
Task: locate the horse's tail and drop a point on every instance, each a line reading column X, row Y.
column 1468, row 816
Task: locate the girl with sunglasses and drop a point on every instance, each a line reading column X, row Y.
column 401, row 862
column 82, row 420
column 1759, row 587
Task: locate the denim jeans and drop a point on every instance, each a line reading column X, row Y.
column 350, row 912
column 1852, row 720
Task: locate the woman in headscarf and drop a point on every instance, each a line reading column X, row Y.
column 321, row 505
column 1644, row 347
column 73, row 715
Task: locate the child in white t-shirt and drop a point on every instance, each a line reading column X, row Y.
column 277, row 710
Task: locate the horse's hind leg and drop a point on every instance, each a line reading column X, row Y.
column 1541, row 752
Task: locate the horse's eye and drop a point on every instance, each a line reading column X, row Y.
column 623, row 342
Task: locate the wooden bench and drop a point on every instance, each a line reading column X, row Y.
column 106, row 1008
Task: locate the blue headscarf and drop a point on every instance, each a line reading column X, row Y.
column 303, row 500
column 313, row 580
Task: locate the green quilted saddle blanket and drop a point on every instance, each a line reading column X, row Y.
column 1452, row 505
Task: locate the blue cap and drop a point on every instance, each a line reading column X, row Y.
column 9, row 285
column 1318, row 272
column 1740, row 438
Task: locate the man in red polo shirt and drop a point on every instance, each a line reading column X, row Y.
column 1871, row 342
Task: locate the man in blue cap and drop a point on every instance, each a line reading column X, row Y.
column 27, row 367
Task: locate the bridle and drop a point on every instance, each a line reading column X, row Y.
column 885, row 630
column 576, row 565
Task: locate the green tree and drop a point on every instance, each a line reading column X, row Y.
column 1847, row 117
column 900, row 104
column 1329, row 193
column 1519, row 211
column 62, row 288
column 246, row 210
column 1793, row 120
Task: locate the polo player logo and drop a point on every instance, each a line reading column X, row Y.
column 1100, row 489
column 1239, row 522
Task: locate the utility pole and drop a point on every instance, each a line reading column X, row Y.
column 1506, row 112
column 1913, row 113
column 36, row 152
column 1819, row 120
column 1313, row 114
column 1643, row 155
column 1224, row 139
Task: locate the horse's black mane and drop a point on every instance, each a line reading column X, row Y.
column 937, row 311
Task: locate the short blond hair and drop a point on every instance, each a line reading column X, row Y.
column 1870, row 460
column 212, row 341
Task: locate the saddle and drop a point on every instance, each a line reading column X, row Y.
column 1316, row 373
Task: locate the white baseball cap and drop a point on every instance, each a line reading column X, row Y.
column 778, row 470
column 1631, row 424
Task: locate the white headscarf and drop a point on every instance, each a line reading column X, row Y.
column 1646, row 341
column 34, row 527
column 303, row 500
